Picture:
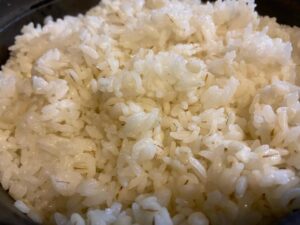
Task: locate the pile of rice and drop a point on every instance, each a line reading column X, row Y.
column 153, row 112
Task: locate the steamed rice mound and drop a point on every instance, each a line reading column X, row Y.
column 153, row 112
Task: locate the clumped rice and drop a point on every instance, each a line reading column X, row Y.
column 153, row 112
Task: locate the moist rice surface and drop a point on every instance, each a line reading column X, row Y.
column 153, row 112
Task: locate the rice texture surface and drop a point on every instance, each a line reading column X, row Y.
column 153, row 112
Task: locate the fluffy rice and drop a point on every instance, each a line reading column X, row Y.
column 153, row 112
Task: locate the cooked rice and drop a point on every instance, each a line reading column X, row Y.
column 153, row 112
